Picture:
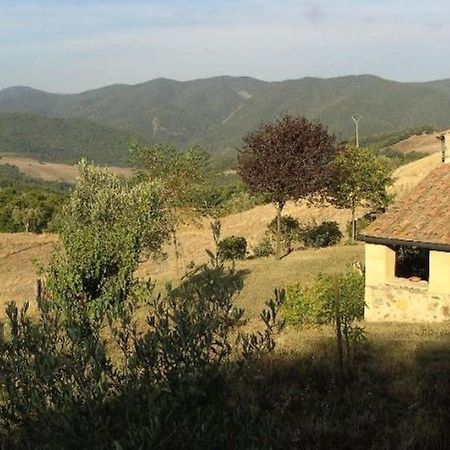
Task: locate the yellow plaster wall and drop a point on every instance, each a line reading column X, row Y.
column 380, row 264
column 439, row 282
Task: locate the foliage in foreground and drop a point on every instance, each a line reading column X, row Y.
column 69, row 380
column 109, row 363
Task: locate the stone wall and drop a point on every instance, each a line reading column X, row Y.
column 402, row 301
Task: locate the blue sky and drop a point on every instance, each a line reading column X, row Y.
column 64, row 46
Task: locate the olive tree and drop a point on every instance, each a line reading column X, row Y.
column 287, row 160
column 359, row 179
column 106, row 227
column 180, row 174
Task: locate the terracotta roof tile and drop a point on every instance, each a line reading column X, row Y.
column 422, row 216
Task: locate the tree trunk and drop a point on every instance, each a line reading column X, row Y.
column 280, row 206
column 338, row 330
column 353, row 223
column 177, row 255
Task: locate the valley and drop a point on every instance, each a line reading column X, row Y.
column 19, row 250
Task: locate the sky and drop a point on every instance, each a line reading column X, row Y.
column 71, row 46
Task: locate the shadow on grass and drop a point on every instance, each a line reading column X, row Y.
column 395, row 397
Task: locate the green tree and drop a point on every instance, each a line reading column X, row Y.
column 287, row 160
column 360, row 179
column 108, row 224
column 180, row 174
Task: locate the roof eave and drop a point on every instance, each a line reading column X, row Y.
column 404, row 242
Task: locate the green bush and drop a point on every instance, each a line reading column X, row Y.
column 264, row 248
column 290, row 231
column 233, row 247
column 323, row 235
column 313, row 303
column 309, row 303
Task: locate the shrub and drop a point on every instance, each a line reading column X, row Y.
column 313, row 303
column 290, row 231
column 309, row 303
column 233, row 247
column 323, row 235
column 327, row 299
column 264, row 248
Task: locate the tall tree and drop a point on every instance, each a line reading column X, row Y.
column 287, row 160
column 360, row 179
column 181, row 175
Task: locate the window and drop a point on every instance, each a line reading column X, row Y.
column 412, row 263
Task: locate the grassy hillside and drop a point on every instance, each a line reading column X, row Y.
column 394, row 392
column 63, row 140
column 17, row 275
column 217, row 112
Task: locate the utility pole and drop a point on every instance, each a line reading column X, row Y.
column 443, row 147
column 356, row 120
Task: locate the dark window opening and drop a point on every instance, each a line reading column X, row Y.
column 412, row 263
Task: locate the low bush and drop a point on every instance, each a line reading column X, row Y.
column 233, row 247
column 263, row 248
column 323, row 235
column 313, row 303
column 309, row 303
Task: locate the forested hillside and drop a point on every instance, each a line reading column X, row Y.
column 215, row 112
column 63, row 140
column 27, row 204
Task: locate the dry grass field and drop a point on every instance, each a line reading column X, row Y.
column 49, row 171
column 424, row 143
column 408, row 176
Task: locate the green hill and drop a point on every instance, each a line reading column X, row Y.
column 217, row 112
column 160, row 109
column 63, row 140
column 385, row 106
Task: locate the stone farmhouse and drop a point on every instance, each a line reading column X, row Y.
column 407, row 252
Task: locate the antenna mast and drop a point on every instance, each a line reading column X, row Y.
column 356, row 120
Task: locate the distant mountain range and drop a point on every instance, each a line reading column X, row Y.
column 215, row 112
